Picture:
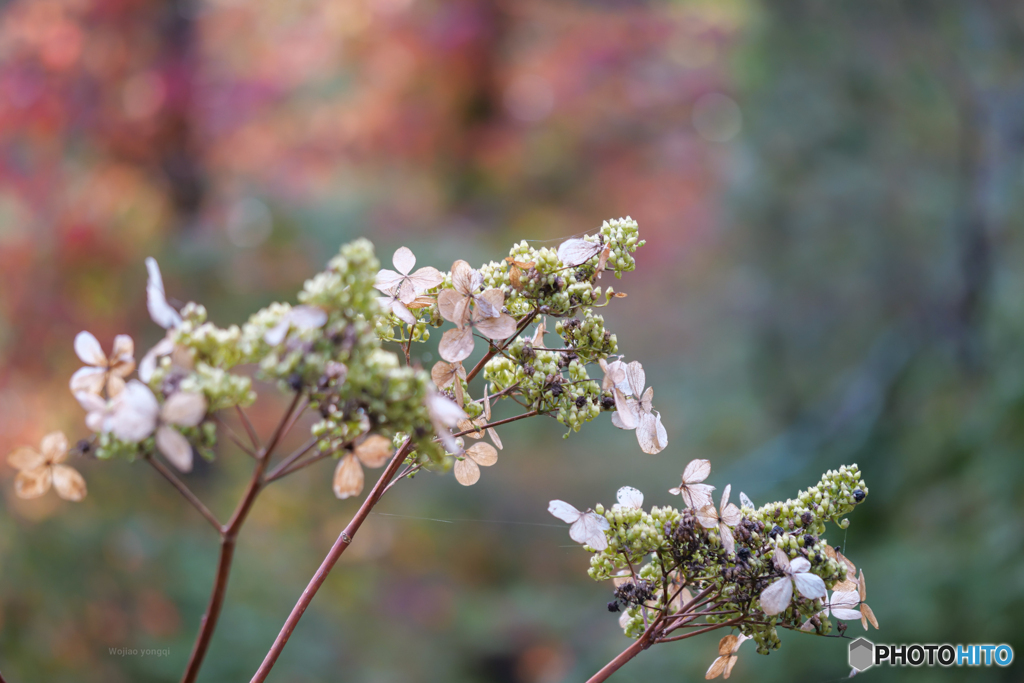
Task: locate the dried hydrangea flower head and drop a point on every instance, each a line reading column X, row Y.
column 695, row 494
column 639, row 411
column 373, row 452
column 403, row 284
column 102, row 372
column 38, row 470
column 138, row 415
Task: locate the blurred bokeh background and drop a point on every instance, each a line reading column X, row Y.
column 831, row 194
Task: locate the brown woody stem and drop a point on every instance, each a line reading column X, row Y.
column 185, row 491
column 228, row 537
column 343, row 541
column 498, row 423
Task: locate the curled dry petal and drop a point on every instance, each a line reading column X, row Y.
column 156, row 300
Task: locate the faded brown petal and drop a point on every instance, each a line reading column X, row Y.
column 489, row 303
column 483, row 454
column 456, row 345
column 462, row 277
column 54, row 447
column 708, row 517
column 404, row 260
column 502, row 327
column 68, row 483
column 866, row 615
column 374, row 451
column 25, row 458
column 467, row 426
column 348, row 477
column 452, row 306
column 443, row 373
column 425, row 278
column 33, row 483
column 466, row 472
column 495, row 438
column 717, row 667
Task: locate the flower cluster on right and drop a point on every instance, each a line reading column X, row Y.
column 699, row 567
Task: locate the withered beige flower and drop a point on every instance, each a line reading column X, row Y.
column 695, row 494
column 639, row 412
column 454, row 303
column 457, row 344
column 405, row 286
column 450, row 375
column 467, row 469
column 723, row 519
column 102, row 371
column 373, row 452
column 38, row 470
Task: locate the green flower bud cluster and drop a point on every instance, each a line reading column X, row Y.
column 216, row 346
column 221, row 388
column 588, row 337
column 552, row 381
column 346, row 287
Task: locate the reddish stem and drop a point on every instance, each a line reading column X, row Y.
column 343, row 541
column 228, row 537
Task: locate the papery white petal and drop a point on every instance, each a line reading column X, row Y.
column 564, row 511
column 775, row 598
column 810, row 585
column 575, row 252
column 630, row 497
column 156, row 300
column 696, row 471
column 799, row 564
column 88, row 349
